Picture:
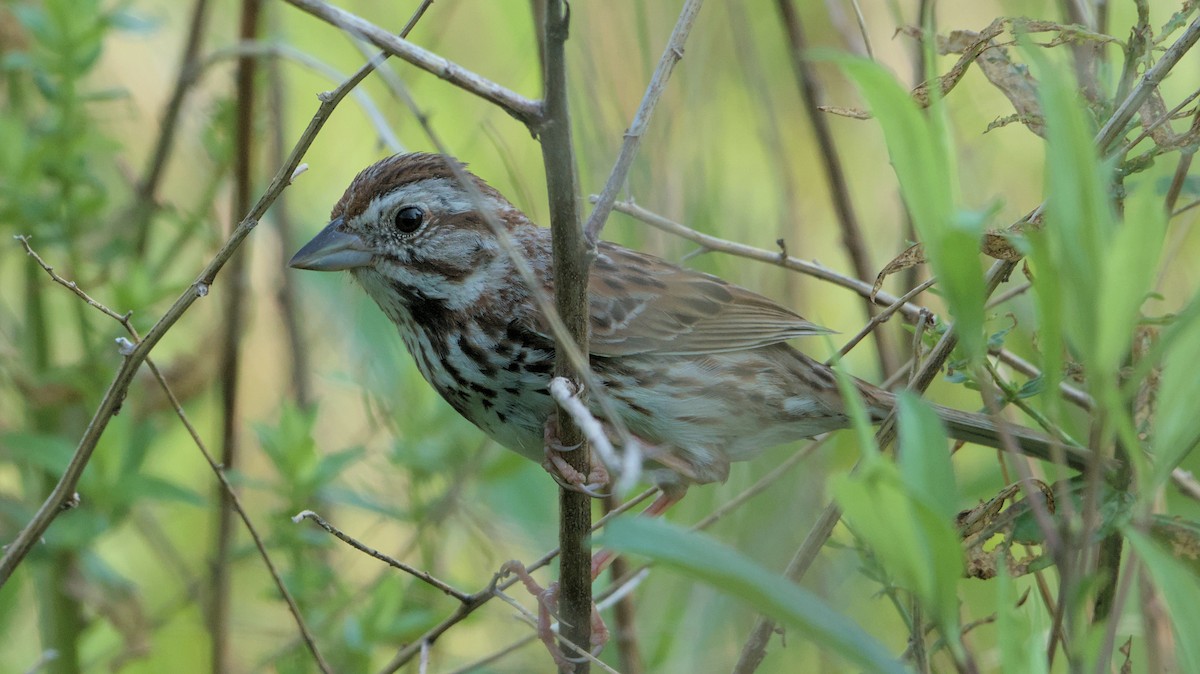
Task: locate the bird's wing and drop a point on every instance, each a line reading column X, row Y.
column 640, row 304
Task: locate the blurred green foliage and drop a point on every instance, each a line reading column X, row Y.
column 120, row 582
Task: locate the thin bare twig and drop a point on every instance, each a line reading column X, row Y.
column 386, row 559
column 863, row 288
column 20, row 547
column 523, row 109
column 641, row 120
column 1115, row 126
column 880, row 317
column 408, row 652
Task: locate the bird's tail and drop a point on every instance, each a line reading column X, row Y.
column 983, row 430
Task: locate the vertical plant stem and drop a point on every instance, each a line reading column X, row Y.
column 286, row 297
column 141, row 210
column 571, row 260
column 625, row 633
column 61, row 621
column 839, row 191
column 233, row 310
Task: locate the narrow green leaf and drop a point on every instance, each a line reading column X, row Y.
column 917, row 545
column 1181, row 590
column 1176, row 425
column 725, row 569
column 138, row 487
column 920, row 149
column 924, row 461
column 1020, row 629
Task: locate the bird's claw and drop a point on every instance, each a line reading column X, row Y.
column 547, row 599
column 566, row 475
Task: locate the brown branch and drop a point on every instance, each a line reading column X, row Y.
column 523, row 109
column 621, row 584
column 17, row 550
column 863, row 288
column 411, row 650
column 229, row 369
column 1115, row 126
column 641, row 120
column 144, row 200
column 571, row 262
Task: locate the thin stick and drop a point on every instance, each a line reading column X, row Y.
column 570, row 266
column 390, row 561
column 641, row 120
column 1115, row 125
column 863, row 288
column 523, row 109
column 408, row 652
column 880, row 317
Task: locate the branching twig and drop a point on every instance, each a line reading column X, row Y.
column 17, row 550
column 386, row 559
column 863, row 288
column 523, row 109
column 408, row 652
column 641, row 120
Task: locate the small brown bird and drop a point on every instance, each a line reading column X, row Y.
column 699, row 369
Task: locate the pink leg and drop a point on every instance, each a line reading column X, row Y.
column 547, row 599
column 669, row 497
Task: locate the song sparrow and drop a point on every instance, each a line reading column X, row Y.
column 699, row 369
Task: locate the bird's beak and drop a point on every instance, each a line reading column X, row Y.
column 332, row 250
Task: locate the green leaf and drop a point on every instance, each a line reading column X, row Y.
column 704, row 559
column 920, row 149
column 139, row 487
column 924, row 461
column 916, row 544
column 1176, row 425
column 1128, row 274
column 1020, row 629
column 1181, row 590
column 1180, row 536
column 48, row 452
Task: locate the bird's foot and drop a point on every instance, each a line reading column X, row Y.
column 566, row 475
column 547, row 600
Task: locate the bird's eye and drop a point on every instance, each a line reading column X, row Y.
column 409, row 218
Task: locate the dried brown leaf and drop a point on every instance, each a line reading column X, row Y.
column 911, row 257
column 997, row 245
column 987, row 534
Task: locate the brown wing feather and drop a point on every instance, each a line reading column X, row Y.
column 641, row 304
